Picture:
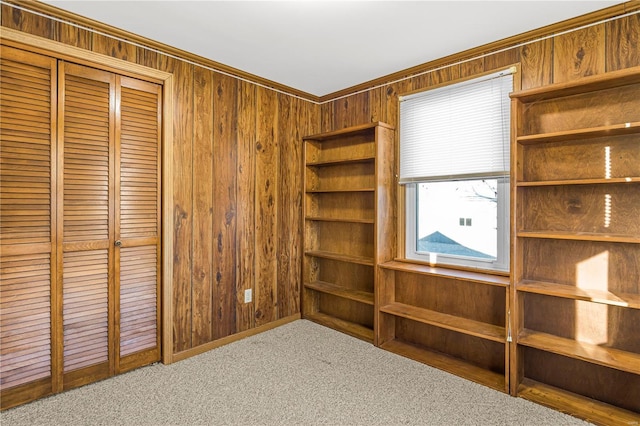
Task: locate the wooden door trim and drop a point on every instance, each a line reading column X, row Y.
column 59, row 50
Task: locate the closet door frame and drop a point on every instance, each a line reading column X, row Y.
column 80, row 56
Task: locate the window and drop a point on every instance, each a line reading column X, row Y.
column 454, row 163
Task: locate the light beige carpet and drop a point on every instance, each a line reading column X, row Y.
column 297, row 374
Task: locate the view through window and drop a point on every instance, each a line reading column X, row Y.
column 458, row 218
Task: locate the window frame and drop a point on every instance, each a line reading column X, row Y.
column 502, row 262
column 407, row 204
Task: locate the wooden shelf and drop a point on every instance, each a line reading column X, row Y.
column 607, row 357
column 580, row 236
column 447, row 363
column 598, row 181
column 361, row 260
column 571, row 292
column 339, row 161
column 343, row 220
column 449, row 322
column 339, row 291
column 348, row 131
column 579, row 134
column 574, row 404
column 575, row 87
column 319, row 191
column 471, row 276
column 347, row 327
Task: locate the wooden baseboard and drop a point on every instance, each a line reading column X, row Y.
column 233, row 338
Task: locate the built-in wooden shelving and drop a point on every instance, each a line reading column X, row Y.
column 577, row 293
column 420, row 316
column 346, row 172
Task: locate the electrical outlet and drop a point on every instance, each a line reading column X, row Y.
column 248, row 296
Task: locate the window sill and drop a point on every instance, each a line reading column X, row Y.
column 483, row 277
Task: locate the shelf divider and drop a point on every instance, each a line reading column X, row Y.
column 607, row 357
column 595, row 181
column 361, row 260
column 626, row 300
column 347, row 327
column 447, row 363
column 335, row 219
column 580, row 236
column 579, row 134
column 339, row 291
column 567, row 402
column 450, row 322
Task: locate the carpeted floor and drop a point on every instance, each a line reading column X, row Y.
column 297, row 374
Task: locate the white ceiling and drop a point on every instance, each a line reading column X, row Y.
column 324, row 46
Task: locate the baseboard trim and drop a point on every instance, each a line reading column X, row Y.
column 233, row 338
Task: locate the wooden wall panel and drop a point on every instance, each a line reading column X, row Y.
column 501, row 59
column 267, row 168
column 74, row 36
column 290, row 205
column 623, row 38
column 202, row 268
column 148, row 58
column 579, row 54
column 471, row 68
column 183, row 120
column 245, row 220
column 224, row 204
column 27, row 22
column 114, row 48
column 536, row 61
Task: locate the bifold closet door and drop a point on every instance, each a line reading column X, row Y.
column 137, row 223
column 27, row 223
column 109, row 223
column 86, row 211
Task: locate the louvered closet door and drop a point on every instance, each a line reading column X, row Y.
column 27, row 223
column 85, row 226
column 137, row 223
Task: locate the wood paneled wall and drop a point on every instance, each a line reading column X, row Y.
column 597, row 49
column 237, row 189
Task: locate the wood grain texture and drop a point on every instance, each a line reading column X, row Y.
column 266, row 207
column 202, row 267
column 623, row 43
column 114, row 48
column 472, row 67
column 183, row 121
column 74, row 36
column 27, row 22
column 351, row 111
column 501, row 59
column 146, row 57
column 245, row 235
column 224, row 207
column 289, row 207
column 579, row 54
column 536, row 61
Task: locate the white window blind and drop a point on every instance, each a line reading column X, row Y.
column 456, row 131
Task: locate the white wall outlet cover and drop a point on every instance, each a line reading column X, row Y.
column 248, row 296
